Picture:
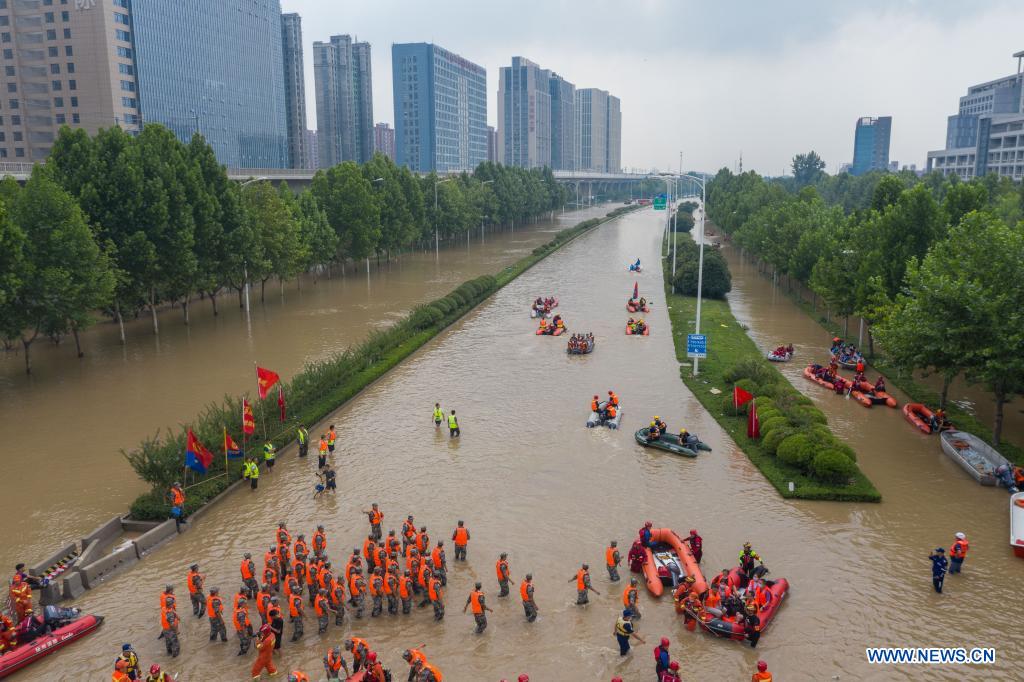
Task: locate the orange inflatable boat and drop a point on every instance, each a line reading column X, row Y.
column 669, row 548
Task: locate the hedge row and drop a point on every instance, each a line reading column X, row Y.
column 317, row 390
column 792, row 429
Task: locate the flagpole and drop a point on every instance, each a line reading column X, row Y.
column 226, row 452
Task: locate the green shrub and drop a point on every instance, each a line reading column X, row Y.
column 833, row 466
column 845, row 449
column 445, row 305
column 770, row 425
column 768, row 413
column 807, row 414
column 425, row 317
column 760, row 371
column 772, row 440
column 797, row 450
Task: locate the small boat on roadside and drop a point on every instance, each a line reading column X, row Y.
column 735, row 630
column 919, row 415
column 669, row 442
column 1017, row 524
column 595, row 419
column 668, row 560
column 977, row 457
column 30, row 652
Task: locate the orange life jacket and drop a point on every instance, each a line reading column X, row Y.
column 321, row 605
column 195, row 581
column 422, row 577
column 501, row 569
column 434, row 590
column 178, row 497
column 390, row 584
column 761, row 677
column 368, row 548
column 609, row 556
column 320, row 541
column 299, row 676
column 581, row 585
column 376, row 517
column 262, row 599
column 337, row 593
column 299, row 568
column 416, row 655
column 168, row 618
column 323, row 446
column 629, row 596
column 594, row 405
column 324, row 578
column 611, row 412
column 422, row 543
column 295, row 605
column 613, row 398
column 214, row 606
column 393, row 544
column 436, row 673
column 404, row 587
column 301, row 548
column 283, row 536
column 436, row 557
column 461, row 536
column 332, row 436
column 380, row 557
column 358, row 647
column 353, row 562
column 273, row 612
column 474, row 602
column 524, row 590
column 408, row 529
column 269, row 576
column 959, row 549
column 353, row 586
column 247, row 569
column 375, row 586
column 237, row 600
column 240, row 618
column 334, row 661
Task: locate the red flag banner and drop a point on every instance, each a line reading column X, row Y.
column 248, row 421
column 753, row 423
column 231, row 449
column 280, row 400
column 197, row 457
column 265, row 380
column 740, row 397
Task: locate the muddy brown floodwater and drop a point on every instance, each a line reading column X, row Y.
column 530, row 480
column 64, row 427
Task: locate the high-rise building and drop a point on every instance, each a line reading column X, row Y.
column 613, row 147
column 977, row 139
column 492, row 144
column 312, row 151
column 64, row 65
column 344, row 100
column 213, row 68
column 440, row 103
column 524, row 115
column 563, row 123
column 871, row 144
column 384, row 140
column 592, row 129
column 294, row 90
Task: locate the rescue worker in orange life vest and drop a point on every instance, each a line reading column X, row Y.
column 762, row 674
column 612, row 559
column 461, row 538
column 176, row 496
column 957, row 553
column 376, row 516
column 480, row 608
column 583, row 585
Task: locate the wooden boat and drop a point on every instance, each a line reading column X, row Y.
column 918, row 415
column 646, row 332
column 1017, row 524
column 30, row 652
column 669, row 442
column 669, row 548
column 977, row 457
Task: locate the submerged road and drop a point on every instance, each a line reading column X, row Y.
column 530, row 480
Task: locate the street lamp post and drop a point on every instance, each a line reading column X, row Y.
column 437, row 242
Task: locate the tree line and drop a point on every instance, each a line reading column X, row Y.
column 118, row 224
column 931, row 264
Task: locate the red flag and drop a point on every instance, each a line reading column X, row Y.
column 231, row 449
column 753, row 423
column 196, row 455
column 248, row 421
column 740, row 397
column 265, row 379
column 280, row 400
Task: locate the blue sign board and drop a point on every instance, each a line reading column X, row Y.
column 696, row 346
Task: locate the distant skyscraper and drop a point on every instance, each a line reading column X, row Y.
column 312, row 151
column 492, row 144
column 384, row 140
column 592, row 129
column 344, row 100
column 524, row 114
column 871, row 145
column 209, row 67
column 440, row 104
column 613, row 147
column 563, row 123
column 294, row 90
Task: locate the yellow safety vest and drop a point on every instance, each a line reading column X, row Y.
column 438, row 415
column 303, row 436
column 254, row 470
column 269, row 452
column 452, row 422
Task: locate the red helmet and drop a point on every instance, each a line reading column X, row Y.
column 264, row 629
column 761, row 666
column 524, row 678
column 664, row 641
column 610, row 391
column 693, row 531
column 647, row 524
column 372, row 656
column 154, row 669
column 674, row 665
column 597, row 397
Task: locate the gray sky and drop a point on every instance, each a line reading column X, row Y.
column 770, row 79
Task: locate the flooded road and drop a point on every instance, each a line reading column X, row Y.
column 68, row 422
column 530, row 480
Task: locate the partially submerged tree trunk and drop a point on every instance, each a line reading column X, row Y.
column 120, row 319
column 947, row 379
column 26, row 344
column 184, row 308
column 152, row 309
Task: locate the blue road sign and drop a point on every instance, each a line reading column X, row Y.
column 696, row 346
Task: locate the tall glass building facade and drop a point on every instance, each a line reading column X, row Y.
column 524, row 114
column 215, row 68
column 344, row 100
column 871, row 144
column 440, row 104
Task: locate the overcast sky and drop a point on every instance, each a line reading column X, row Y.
column 713, row 79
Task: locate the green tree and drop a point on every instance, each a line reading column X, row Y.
column 275, row 227
column 962, row 198
column 347, row 198
column 315, row 231
column 807, row 168
column 887, row 192
column 62, row 275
